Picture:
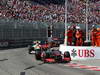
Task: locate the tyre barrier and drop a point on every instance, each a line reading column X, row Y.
column 3, row 44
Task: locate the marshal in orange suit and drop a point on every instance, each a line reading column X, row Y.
column 98, row 37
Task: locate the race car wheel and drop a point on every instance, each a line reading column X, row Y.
column 66, row 54
column 30, row 50
column 43, row 56
column 38, row 55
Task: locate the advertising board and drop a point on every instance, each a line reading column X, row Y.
column 81, row 52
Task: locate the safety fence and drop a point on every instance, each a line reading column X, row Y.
column 18, row 33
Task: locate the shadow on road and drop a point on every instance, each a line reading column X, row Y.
column 40, row 63
column 3, row 59
column 33, row 66
column 29, row 67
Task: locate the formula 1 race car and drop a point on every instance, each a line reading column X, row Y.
column 52, row 56
column 31, row 49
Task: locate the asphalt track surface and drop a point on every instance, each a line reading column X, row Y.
column 19, row 62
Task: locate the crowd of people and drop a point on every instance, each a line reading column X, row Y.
column 50, row 13
column 32, row 11
column 16, row 9
column 78, row 11
column 28, row 10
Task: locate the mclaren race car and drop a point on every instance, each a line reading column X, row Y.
column 55, row 56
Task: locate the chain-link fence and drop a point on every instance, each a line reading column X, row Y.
column 21, row 33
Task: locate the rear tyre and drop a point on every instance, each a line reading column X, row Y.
column 66, row 54
column 30, row 49
column 43, row 57
column 38, row 55
column 37, row 58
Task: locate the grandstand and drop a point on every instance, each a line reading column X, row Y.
column 31, row 11
column 48, row 12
